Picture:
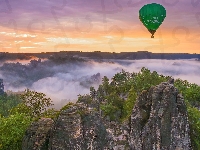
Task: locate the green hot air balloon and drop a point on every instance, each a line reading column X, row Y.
column 152, row 16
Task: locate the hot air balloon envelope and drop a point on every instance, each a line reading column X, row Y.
column 152, row 15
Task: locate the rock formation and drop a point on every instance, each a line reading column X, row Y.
column 159, row 121
column 78, row 128
column 37, row 136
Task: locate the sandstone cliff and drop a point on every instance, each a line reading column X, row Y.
column 158, row 121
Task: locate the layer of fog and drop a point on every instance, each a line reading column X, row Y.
column 63, row 82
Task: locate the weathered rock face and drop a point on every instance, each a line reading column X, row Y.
column 38, row 134
column 158, row 121
column 78, row 128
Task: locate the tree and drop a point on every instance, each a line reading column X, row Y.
column 93, row 93
column 1, row 87
column 7, row 102
column 33, row 103
column 31, row 106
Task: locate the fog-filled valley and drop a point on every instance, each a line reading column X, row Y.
column 84, row 96
column 62, row 79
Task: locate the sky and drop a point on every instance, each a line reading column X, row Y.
column 96, row 25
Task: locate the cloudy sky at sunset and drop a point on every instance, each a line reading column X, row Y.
column 96, row 25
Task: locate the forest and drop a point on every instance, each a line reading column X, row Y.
column 116, row 97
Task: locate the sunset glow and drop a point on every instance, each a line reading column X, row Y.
column 48, row 26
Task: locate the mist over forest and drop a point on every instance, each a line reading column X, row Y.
column 62, row 79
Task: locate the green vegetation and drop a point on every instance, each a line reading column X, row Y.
column 17, row 113
column 12, row 130
column 194, row 120
column 116, row 99
column 33, row 104
column 7, row 102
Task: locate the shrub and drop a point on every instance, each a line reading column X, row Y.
column 12, row 130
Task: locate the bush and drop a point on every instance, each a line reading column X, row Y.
column 12, row 130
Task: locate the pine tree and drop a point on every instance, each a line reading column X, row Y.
column 1, row 87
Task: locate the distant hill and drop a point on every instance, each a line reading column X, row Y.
column 99, row 55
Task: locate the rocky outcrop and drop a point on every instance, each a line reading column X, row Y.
column 78, row 128
column 38, row 134
column 159, row 121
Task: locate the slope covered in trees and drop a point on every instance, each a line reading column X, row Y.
column 116, row 98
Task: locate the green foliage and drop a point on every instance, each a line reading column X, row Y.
column 120, row 94
column 51, row 113
column 33, row 104
column 67, row 106
column 7, row 102
column 12, row 130
column 190, row 91
column 21, row 108
column 109, row 110
column 86, row 99
column 145, row 79
column 194, row 121
column 129, row 104
column 92, row 93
